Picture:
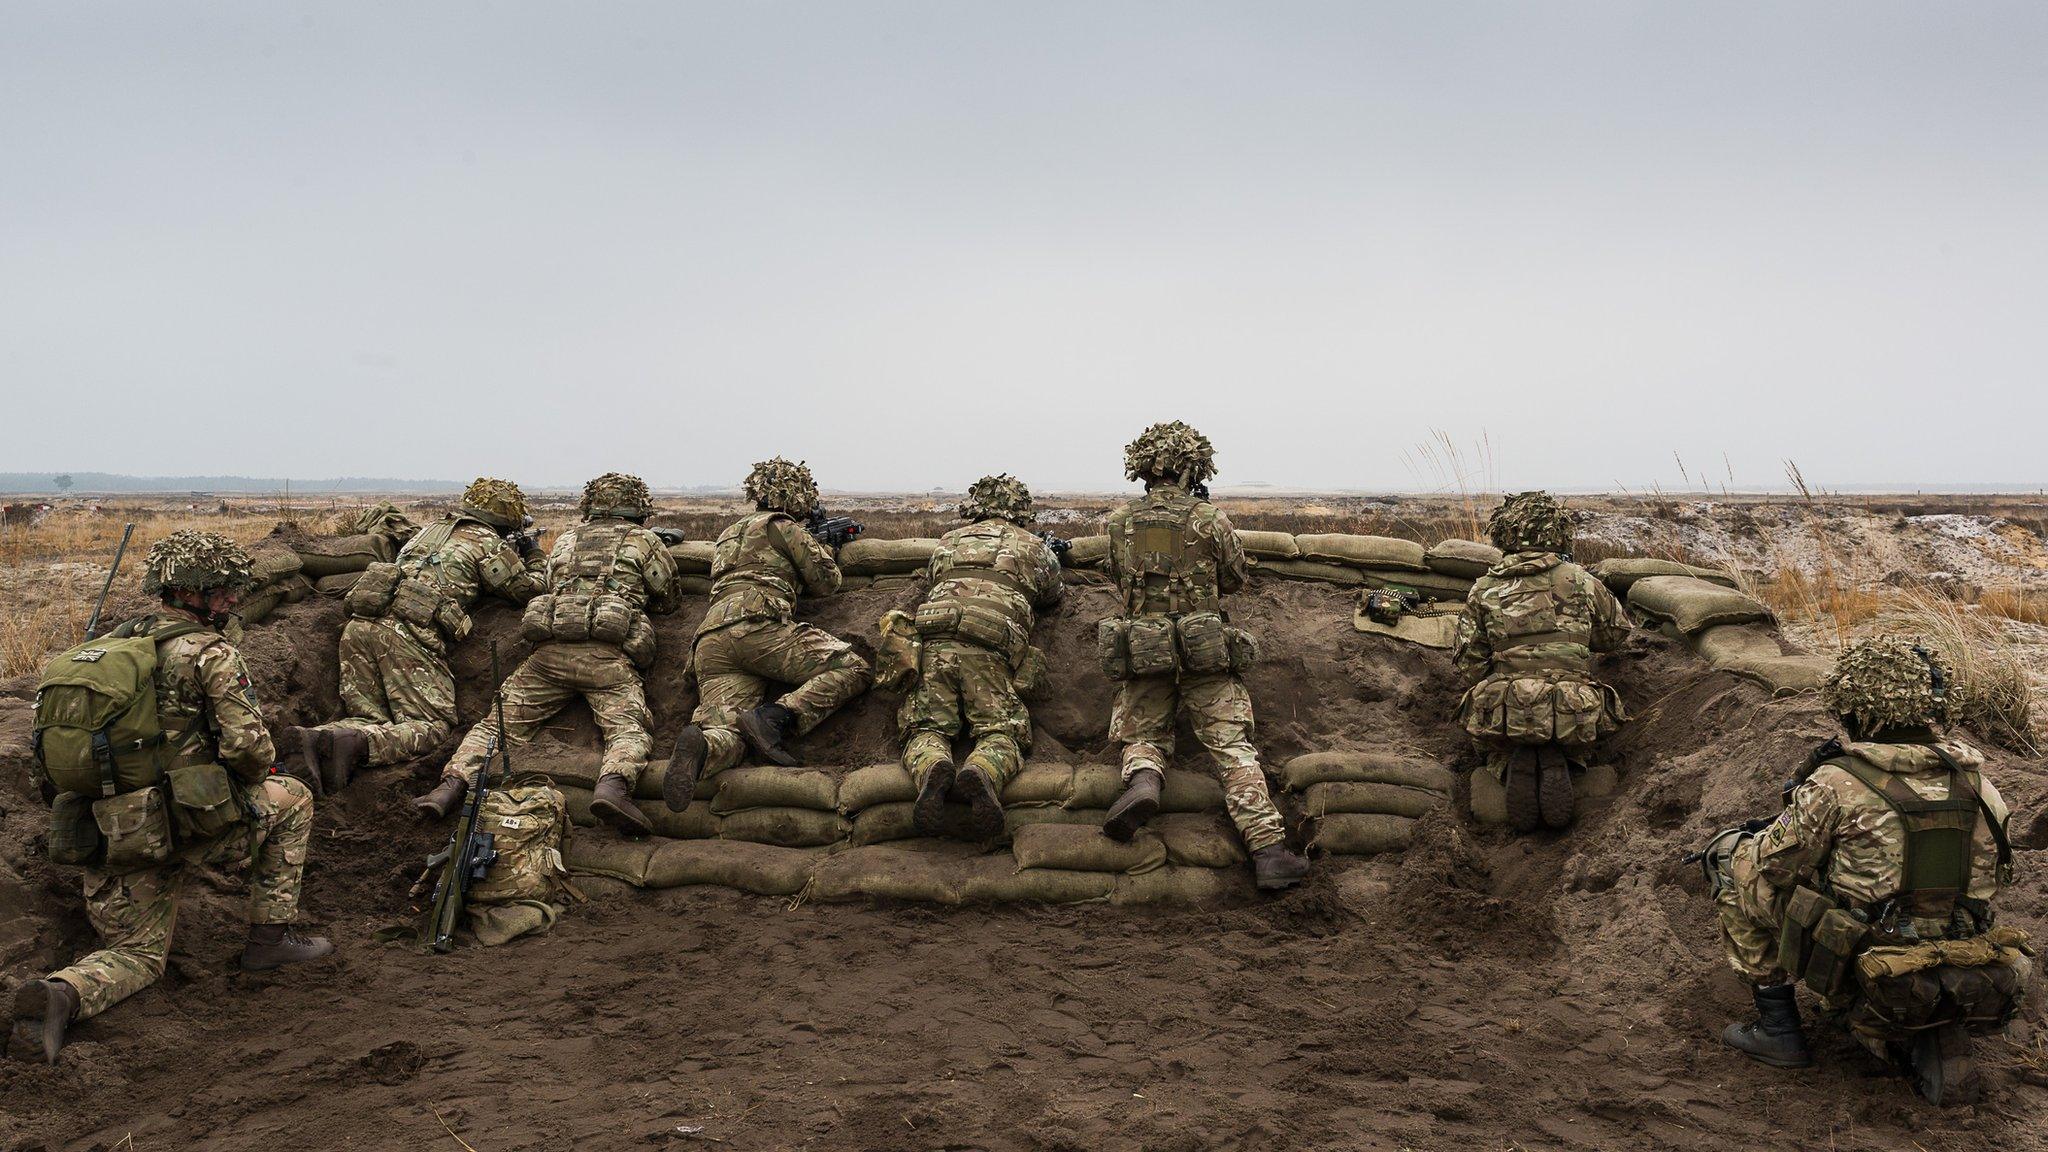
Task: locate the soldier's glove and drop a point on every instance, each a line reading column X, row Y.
column 1713, row 859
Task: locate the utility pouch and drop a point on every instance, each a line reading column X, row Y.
column 990, row 627
column 1803, row 910
column 1836, row 940
column 369, row 598
column 450, row 619
column 1031, row 673
column 639, row 642
column 137, row 829
column 898, row 652
column 414, row 602
column 611, row 619
column 74, row 835
column 203, row 801
column 937, row 619
column 1204, row 643
column 536, row 623
column 1244, row 650
column 1152, row 646
column 1113, row 648
column 569, row 619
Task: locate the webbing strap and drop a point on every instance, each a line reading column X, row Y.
column 1931, row 841
column 1997, row 826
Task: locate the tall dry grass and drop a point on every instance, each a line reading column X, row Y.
column 1991, row 695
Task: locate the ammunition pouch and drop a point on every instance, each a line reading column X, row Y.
column 1978, row 981
column 1031, row 675
column 1244, row 650
column 204, row 802
column 74, row 835
column 1152, row 646
column 571, row 618
column 639, row 644
column 1113, row 648
column 1819, row 941
column 388, row 590
column 980, row 622
column 137, row 828
column 898, row 652
column 1204, row 643
column 369, row 598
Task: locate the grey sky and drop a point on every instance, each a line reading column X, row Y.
column 916, row 242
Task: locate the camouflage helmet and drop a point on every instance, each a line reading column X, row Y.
column 617, row 494
column 1170, row 451
column 1889, row 682
column 196, row 562
column 1001, row 497
column 498, row 503
column 782, row 486
column 1530, row 522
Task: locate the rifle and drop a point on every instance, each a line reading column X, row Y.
column 832, row 531
column 92, row 626
column 1060, row 545
column 527, row 537
column 1199, row 490
column 471, row 851
column 670, row 536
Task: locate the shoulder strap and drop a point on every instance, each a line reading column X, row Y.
column 1975, row 783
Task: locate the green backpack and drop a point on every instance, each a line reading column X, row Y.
column 96, row 730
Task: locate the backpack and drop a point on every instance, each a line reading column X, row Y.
column 529, row 824
column 96, row 729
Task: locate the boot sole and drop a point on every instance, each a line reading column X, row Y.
column 1123, row 823
column 987, row 806
column 1554, row 800
column 1525, row 805
column 32, row 1001
column 758, row 739
column 929, row 815
column 620, row 819
column 274, row 965
column 678, row 788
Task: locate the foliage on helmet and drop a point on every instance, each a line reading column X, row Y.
column 196, row 562
column 783, row 486
column 1001, row 497
column 1530, row 522
column 1170, row 451
column 498, row 503
column 617, row 494
column 1890, row 682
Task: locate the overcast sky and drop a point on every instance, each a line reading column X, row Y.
column 915, row 242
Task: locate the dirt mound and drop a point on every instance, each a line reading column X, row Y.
column 1479, row 990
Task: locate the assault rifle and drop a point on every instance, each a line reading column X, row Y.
column 471, row 851
column 1713, row 857
column 1060, row 545
column 1199, row 491
column 832, row 531
column 670, row 536
column 92, row 626
column 526, row 538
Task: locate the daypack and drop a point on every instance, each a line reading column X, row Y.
column 529, row 822
column 96, row 728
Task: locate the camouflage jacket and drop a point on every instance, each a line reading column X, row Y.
column 466, row 559
column 760, row 565
column 616, row 557
column 204, row 701
column 1536, row 612
column 996, row 562
column 1171, row 553
column 1838, row 832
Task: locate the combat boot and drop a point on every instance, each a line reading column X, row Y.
column 442, row 800
column 306, row 768
column 1525, row 805
column 1773, row 1037
column 1944, row 1071
column 1553, row 787
column 973, row 785
column 276, row 945
column 929, row 815
column 54, row 1002
column 343, row 753
column 612, row 802
column 1136, row 806
column 680, row 783
column 1277, row 866
column 768, row 729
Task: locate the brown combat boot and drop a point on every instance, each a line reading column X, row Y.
column 1554, row 801
column 1944, row 1072
column 55, row 1003
column 442, row 800
column 612, row 802
column 768, row 729
column 1277, row 866
column 680, row 782
column 1524, row 785
column 343, row 753
column 1137, row 805
column 276, row 945
column 974, row 786
column 929, row 815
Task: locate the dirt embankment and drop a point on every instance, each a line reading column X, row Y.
column 1479, row 991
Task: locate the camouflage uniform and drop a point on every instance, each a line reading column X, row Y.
column 606, row 555
column 988, row 581
column 1174, row 554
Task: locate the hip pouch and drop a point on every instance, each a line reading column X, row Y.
column 639, row 643
column 74, row 835
column 1113, row 647
column 982, row 625
column 203, row 802
column 1153, row 651
column 1244, row 650
column 563, row 618
column 369, row 598
column 1030, row 675
column 137, row 829
column 417, row 603
column 1819, row 941
column 1204, row 643
column 898, row 651
column 611, row 619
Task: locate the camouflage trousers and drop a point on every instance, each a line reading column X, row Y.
column 555, row 675
column 395, row 691
column 1751, row 912
column 735, row 665
column 134, row 913
column 1219, row 709
column 964, row 690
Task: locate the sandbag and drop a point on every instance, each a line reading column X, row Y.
column 1693, row 605
column 1087, row 552
column 866, row 557
column 337, row 584
column 1432, row 624
column 1362, row 834
column 1016, row 818
column 756, row 868
column 1468, row 559
column 1039, row 784
column 1076, row 848
column 327, row 555
column 271, row 561
column 897, row 820
column 1621, row 572
column 1727, row 643
column 864, row 788
column 1199, row 840
column 1098, row 786
column 1363, row 551
column 885, row 872
column 610, row 857
column 1184, row 886
column 578, row 768
column 1345, row 796
column 694, row 585
column 855, row 583
column 1428, row 585
column 1269, row 545
column 1315, row 570
column 1783, row 675
column 1314, row 768
column 740, row 789
column 692, row 557
column 259, row 604
column 696, row 822
column 785, row 827
column 997, row 879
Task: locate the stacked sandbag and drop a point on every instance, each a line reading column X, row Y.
column 332, row 555
column 789, row 808
column 936, row 872
column 1443, row 574
column 693, row 565
column 879, row 800
column 1464, row 559
column 1364, row 803
column 280, row 579
column 1690, row 605
column 886, row 558
column 1752, row 652
column 664, row 863
column 1622, row 572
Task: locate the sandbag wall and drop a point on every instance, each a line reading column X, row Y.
column 1730, row 629
column 780, row 831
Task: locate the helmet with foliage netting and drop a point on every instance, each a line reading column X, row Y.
column 783, row 486
column 1170, row 451
column 1889, row 682
column 498, row 503
column 197, row 562
column 617, row 494
column 1001, row 497
column 1530, row 522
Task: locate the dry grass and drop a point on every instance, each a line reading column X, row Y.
column 81, row 534
column 2015, row 604
column 1991, row 694
column 29, row 638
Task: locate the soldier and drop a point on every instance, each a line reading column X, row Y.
column 1875, row 884
column 1525, row 645
column 747, row 639
column 988, row 580
column 207, row 715
column 396, row 688
column 1173, row 554
column 592, row 639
